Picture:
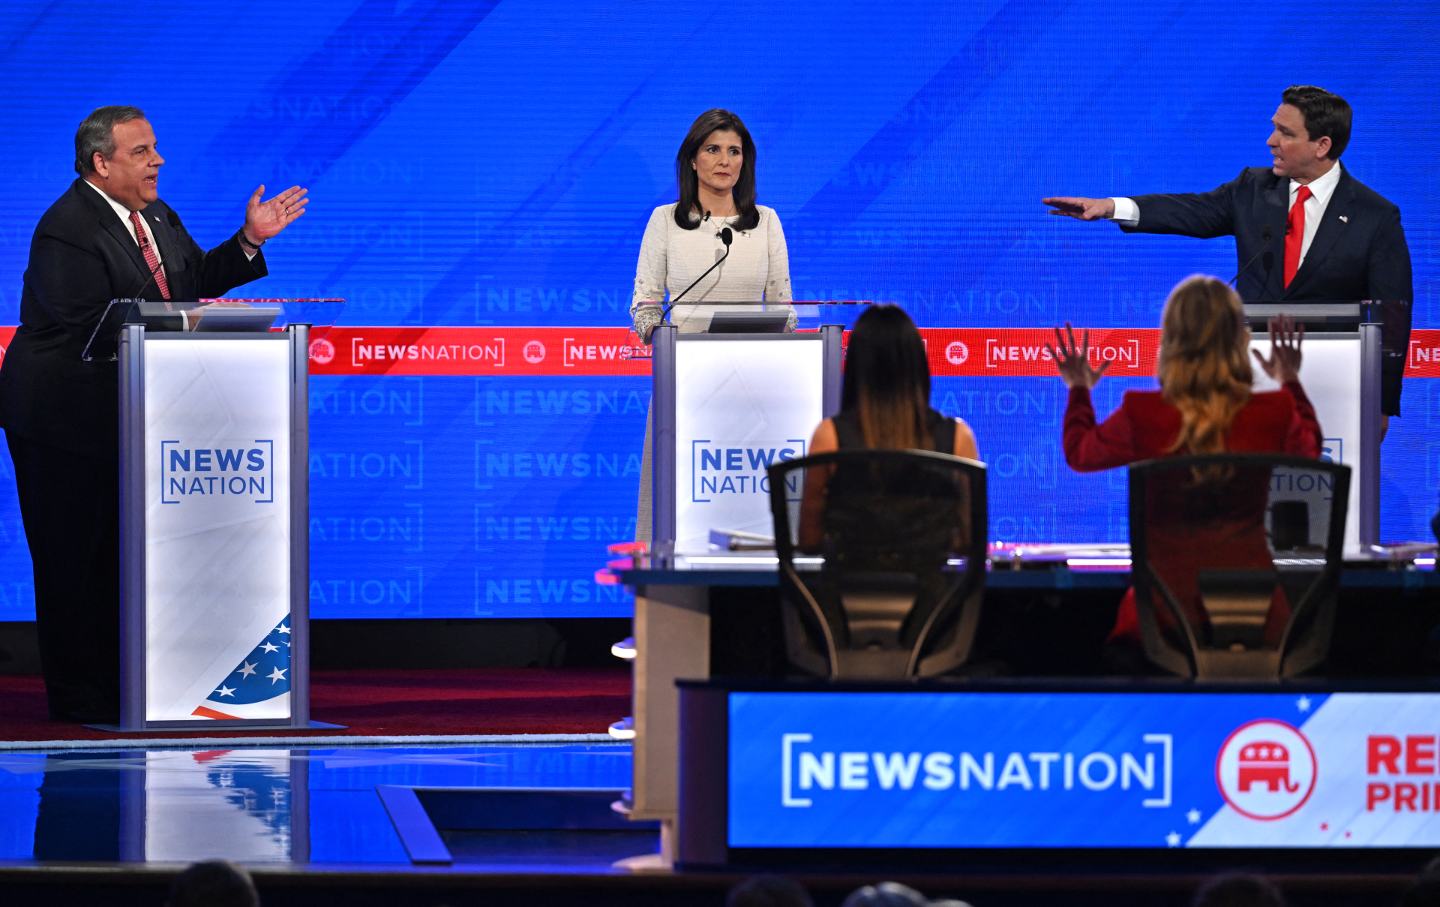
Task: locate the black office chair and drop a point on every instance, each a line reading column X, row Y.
column 1222, row 547
column 898, row 593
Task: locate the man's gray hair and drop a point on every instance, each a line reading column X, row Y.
column 97, row 133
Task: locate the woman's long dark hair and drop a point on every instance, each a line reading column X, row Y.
column 687, row 210
column 887, row 379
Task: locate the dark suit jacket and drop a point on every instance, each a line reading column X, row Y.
column 1358, row 252
column 81, row 257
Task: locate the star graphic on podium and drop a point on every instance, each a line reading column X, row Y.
column 1172, row 839
column 226, row 691
column 277, row 675
column 246, row 669
column 1303, row 703
column 1193, row 817
column 270, row 647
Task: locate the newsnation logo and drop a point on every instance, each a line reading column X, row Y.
column 719, row 469
column 809, row 770
column 188, row 472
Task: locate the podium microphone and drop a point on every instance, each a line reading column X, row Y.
column 1266, row 251
column 726, row 237
column 154, row 272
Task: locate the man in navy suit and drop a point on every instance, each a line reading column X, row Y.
column 1304, row 228
column 108, row 236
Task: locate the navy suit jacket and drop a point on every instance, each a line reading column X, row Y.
column 81, row 257
column 1358, row 252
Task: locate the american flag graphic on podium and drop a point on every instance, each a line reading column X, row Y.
column 259, row 683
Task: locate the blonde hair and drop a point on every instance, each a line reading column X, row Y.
column 1204, row 366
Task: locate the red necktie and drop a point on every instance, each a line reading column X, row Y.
column 153, row 261
column 1295, row 234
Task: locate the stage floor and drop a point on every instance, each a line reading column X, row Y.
column 401, row 825
column 532, row 808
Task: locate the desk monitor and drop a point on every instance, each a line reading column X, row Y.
column 772, row 322
column 231, row 318
column 1315, row 316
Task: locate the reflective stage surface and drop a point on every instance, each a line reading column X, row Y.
column 527, row 807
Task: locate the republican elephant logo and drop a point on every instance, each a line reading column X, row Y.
column 1266, row 769
column 1265, row 762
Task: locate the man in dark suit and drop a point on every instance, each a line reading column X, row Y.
column 1304, row 228
column 108, row 236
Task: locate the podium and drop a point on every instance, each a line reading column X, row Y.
column 726, row 406
column 214, row 559
column 1341, row 371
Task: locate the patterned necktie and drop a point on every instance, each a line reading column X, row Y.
column 152, row 260
column 1295, row 234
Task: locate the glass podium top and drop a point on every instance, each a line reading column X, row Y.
column 227, row 316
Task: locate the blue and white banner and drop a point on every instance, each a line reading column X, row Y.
column 217, row 523
column 740, row 407
column 1133, row 770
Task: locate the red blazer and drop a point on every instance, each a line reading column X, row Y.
column 1146, row 425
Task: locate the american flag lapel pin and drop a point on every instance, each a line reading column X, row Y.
column 1344, row 219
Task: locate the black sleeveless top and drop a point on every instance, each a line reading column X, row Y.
column 941, row 428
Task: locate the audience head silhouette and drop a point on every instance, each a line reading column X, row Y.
column 1238, row 890
column 768, row 891
column 893, row 894
column 213, row 883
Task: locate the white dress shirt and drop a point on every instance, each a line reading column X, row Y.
column 123, row 213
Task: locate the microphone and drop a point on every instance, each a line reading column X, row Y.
column 726, row 237
column 154, row 273
column 1265, row 251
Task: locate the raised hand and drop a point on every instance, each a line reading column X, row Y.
column 1081, row 208
column 1073, row 360
column 266, row 219
column 1285, row 338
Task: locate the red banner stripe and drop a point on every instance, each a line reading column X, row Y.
column 505, row 351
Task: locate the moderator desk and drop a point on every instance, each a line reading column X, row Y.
column 672, row 622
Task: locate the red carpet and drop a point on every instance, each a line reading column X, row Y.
column 395, row 703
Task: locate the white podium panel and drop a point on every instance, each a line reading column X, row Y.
column 740, row 405
column 217, row 521
column 1330, row 372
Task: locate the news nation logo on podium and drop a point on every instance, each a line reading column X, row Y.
column 719, row 469
column 242, row 471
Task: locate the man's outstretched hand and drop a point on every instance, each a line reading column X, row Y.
column 266, row 219
column 1081, row 208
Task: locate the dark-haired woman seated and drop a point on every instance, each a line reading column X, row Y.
column 885, row 404
column 1205, row 405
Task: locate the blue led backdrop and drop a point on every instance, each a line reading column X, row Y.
column 495, row 163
